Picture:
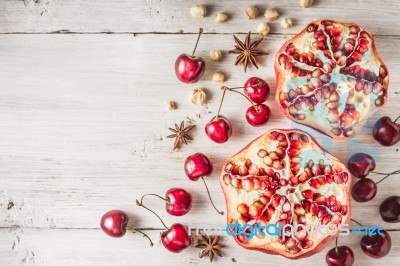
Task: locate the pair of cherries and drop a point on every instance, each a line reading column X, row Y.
column 178, row 202
column 375, row 246
column 256, row 90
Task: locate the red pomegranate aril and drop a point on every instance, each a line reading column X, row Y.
column 308, row 194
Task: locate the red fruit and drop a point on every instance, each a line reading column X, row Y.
column 361, row 164
column 340, row 256
column 197, row 165
column 256, row 89
column 179, row 201
column 386, row 132
column 287, row 168
column 114, row 222
column 219, row 129
column 309, row 89
column 176, row 238
column 390, row 209
column 258, row 115
column 364, row 190
column 376, row 246
column 189, row 68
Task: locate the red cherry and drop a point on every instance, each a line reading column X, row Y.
column 176, row 238
column 114, row 222
column 364, row 190
column 189, row 68
column 340, row 256
column 386, row 132
column 390, row 209
column 376, row 246
column 219, row 129
column 179, row 201
column 361, row 164
column 257, row 115
column 256, row 89
column 197, row 165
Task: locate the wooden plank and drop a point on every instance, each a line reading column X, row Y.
column 44, row 16
column 82, row 118
column 91, row 247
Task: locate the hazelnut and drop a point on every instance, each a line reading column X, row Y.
column 263, row 29
column 215, row 55
column 251, row 12
column 171, row 105
column 198, row 11
column 221, row 17
column 271, row 14
column 218, row 77
column 306, row 3
column 286, row 23
column 198, row 96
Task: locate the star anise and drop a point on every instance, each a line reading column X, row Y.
column 209, row 246
column 247, row 51
column 180, row 134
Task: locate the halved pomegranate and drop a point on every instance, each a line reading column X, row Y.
column 331, row 78
column 285, row 177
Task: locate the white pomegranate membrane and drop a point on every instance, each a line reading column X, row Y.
column 331, row 78
column 285, row 177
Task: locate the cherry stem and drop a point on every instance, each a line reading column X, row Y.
column 234, row 90
column 139, row 203
column 387, row 175
column 144, row 235
column 336, row 248
column 209, row 196
column 396, row 119
column 158, row 196
column 356, row 222
column 198, row 38
column 220, row 105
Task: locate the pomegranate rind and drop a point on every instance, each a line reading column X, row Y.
column 362, row 105
column 231, row 196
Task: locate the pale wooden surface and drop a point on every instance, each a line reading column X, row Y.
column 83, row 122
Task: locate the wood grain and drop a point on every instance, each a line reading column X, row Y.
column 120, row 16
column 84, row 119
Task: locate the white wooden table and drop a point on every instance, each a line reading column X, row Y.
column 83, row 88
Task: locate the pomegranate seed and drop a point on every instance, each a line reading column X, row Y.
column 235, row 170
column 343, row 209
column 269, row 193
column 227, row 179
column 298, row 209
column 283, row 182
column 256, row 184
column 270, row 211
column 248, row 163
column 254, row 211
column 237, row 183
column 320, row 199
column 290, row 243
column 261, row 172
column 290, row 190
column 228, row 167
column 308, row 194
column 293, row 180
column 253, row 169
column 286, row 207
column 313, row 183
column 259, row 205
column 243, row 208
column 307, row 244
column 336, row 218
column 306, row 204
column 331, row 200
column 275, row 200
column 329, row 179
column 243, row 170
column 337, row 179
column 322, row 211
column 264, row 199
column 301, row 234
column 247, row 185
column 295, row 250
column 293, row 152
column 321, row 180
column 326, row 219
column 345, row 177
column 303, row 177
column 314, row 208
column 302, row 219
column 262, row 153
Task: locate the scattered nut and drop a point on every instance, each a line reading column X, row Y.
column 171, row 105
column 251, row 12
column 198, row 96
column 286, row 23
column 198, row 11
column 219, row 77
column 263, row 29
column 215, row 55
column 306, row 3
column 271, row 14
column 221, row 17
